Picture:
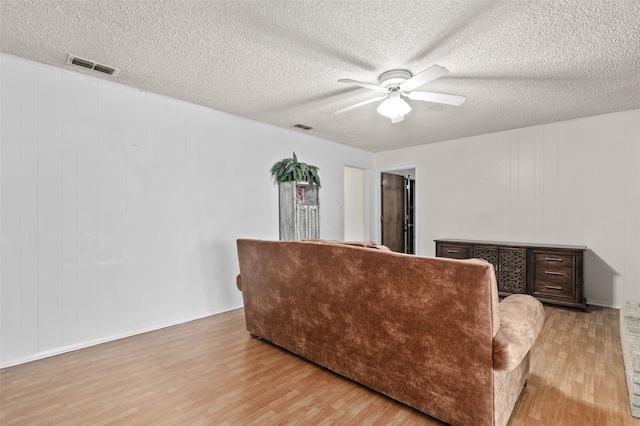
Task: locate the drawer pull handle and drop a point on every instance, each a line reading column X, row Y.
column 553, row 287
column 553, row 273
column 453, row 251
column 553, row 259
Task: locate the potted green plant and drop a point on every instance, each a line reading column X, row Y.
column 291, row 170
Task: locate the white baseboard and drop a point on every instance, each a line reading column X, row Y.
column 104, row 339
column 603, row 304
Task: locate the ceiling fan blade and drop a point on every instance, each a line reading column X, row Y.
column 439, row 98
column 363, row 84
column 424, row 77
column 368, row 101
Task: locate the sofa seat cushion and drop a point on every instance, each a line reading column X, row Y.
column 521, row 318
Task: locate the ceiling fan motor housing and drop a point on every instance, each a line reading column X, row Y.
column 393, row 78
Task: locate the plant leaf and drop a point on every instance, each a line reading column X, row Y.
column 290, row 169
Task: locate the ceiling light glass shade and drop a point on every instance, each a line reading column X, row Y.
column 394, row 107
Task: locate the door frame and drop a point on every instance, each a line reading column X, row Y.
column 377, row 206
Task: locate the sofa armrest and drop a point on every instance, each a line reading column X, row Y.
column 521, row 318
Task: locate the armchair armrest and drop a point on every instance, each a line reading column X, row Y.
column 239, row 282
column 521, row 318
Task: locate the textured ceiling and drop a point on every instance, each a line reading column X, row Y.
column 519, row 63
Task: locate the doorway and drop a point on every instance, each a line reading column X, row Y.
column 355, row 228
column 397, row 207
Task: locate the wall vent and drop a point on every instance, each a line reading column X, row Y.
column 303, row 127
column 92, row 65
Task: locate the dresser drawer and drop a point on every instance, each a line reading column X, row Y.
column 555, row 260
column 552, row 288
column 454, row 251
column 555, row 274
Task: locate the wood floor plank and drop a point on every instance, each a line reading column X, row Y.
column 211, row 372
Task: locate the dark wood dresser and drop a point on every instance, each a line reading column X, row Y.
column 549, row 272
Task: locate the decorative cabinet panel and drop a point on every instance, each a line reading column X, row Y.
column 299, row 211
column 488, row 253
column 551, row 273
column 512, row 270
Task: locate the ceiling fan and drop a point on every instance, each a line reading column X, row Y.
column 396, row 84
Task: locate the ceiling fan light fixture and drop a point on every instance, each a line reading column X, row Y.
column 394, row 107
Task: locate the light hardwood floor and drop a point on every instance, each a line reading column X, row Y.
column 211, row 372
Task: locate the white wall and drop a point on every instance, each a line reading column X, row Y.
column 119, row 209
column 574, row 182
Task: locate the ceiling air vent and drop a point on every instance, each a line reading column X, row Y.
column 92, row 65
column 303, row 127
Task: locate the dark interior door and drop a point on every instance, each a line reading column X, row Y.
column 393, row 211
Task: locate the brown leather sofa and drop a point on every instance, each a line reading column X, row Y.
column 428, row 332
